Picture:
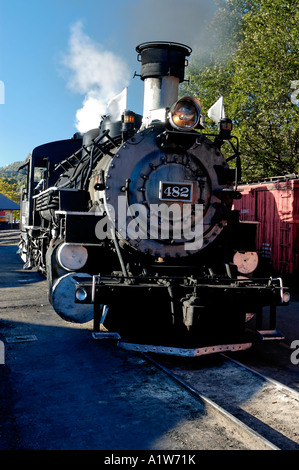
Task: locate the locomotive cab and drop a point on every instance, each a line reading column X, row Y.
column 41, row 172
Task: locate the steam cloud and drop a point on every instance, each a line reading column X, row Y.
column 95, row 72
column 100, row 74
column 170, row 20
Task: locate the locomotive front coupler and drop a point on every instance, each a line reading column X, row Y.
column 191, row 307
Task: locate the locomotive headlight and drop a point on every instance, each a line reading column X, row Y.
column 72, row 257
column 185, row 113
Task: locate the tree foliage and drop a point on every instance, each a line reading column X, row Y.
column 252, row 61
column 10, row 174
column 10, row 190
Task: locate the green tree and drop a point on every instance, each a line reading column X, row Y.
column 11, row 174
column 265, row 64
column 251, row 59
column 10, row 190
column 211, row 70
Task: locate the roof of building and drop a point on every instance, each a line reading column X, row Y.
column 8, row 204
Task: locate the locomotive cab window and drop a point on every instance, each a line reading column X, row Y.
column 39, row 177
column 24, row 172
column 39, row 183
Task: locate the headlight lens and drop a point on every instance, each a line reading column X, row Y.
column 185, row 113
column 72, row 257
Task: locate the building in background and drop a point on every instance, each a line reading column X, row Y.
column 7, row 206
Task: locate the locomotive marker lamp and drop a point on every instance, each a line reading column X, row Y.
column 128, row 121
column 225, row 125
column 225, row 128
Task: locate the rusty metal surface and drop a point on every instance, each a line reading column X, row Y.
column 183, row 351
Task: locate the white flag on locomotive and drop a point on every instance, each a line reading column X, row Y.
column 117, row 105
column 216, row 112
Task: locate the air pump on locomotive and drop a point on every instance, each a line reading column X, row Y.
column 133, row 224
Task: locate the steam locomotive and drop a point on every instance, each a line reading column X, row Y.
column 132, row 223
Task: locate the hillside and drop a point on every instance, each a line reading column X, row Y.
column 10, row 173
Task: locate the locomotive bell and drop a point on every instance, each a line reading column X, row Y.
column 162, row 70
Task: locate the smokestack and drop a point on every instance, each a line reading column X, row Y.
column 162, row 70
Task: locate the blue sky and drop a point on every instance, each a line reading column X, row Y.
column 47, row 52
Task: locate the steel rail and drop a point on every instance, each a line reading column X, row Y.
column 257, row 441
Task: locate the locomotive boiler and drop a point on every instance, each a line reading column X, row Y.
column 132, row 223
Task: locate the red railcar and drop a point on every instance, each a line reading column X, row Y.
column 274, row 206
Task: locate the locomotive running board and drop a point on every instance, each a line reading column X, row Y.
column 105, row 335
column 270, row 335
column 184, row 352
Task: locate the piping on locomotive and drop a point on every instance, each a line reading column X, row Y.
column 95, row 225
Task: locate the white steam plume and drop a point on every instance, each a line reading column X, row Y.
column 169, row 20
column 95, row 72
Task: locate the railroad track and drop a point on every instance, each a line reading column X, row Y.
column 261, row 414
column 9, row 237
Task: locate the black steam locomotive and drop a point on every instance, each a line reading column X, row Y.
column 132, row 225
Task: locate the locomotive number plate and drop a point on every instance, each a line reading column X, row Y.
column 169, row 191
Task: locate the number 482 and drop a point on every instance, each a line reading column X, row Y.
column 177, row 191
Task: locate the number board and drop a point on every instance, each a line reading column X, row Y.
column 169, row 191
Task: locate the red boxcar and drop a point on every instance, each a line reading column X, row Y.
column 274, row 206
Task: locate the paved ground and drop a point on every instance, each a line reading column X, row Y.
column 62, row 390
